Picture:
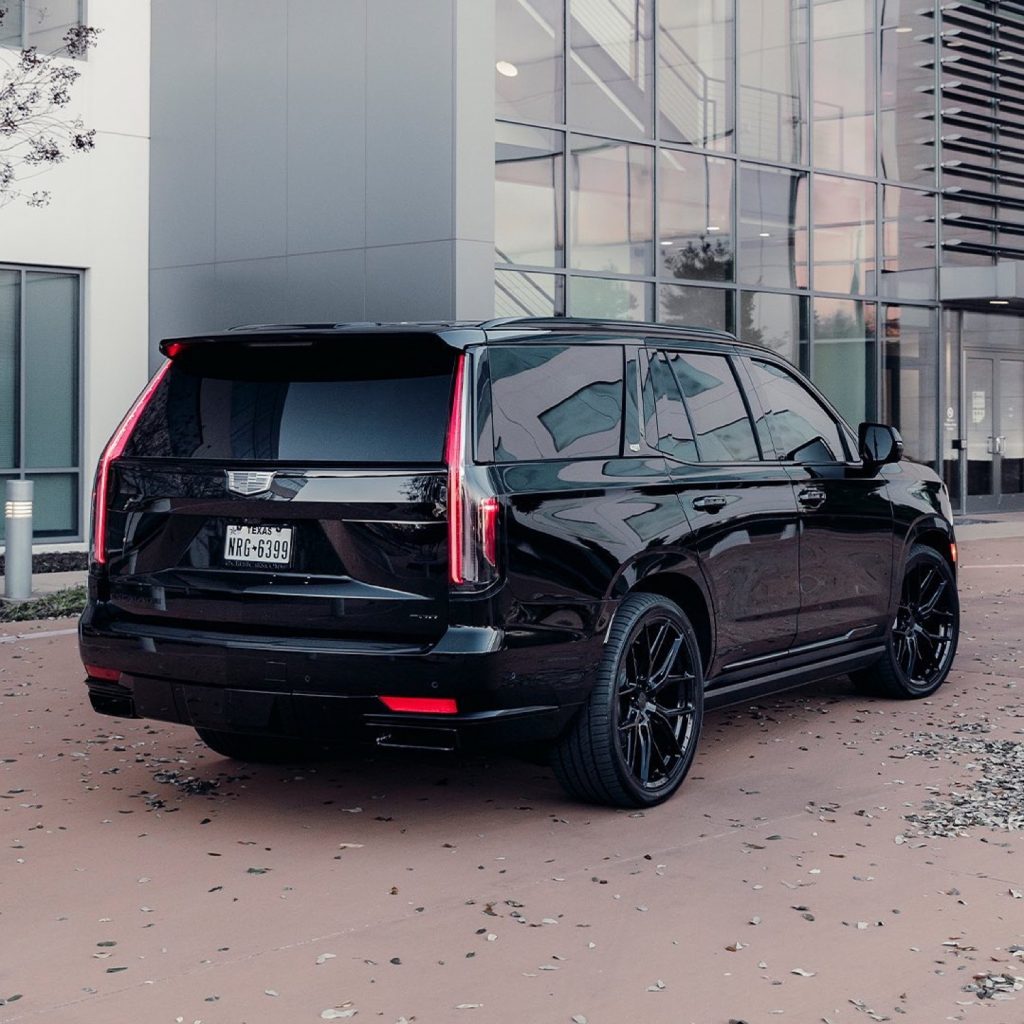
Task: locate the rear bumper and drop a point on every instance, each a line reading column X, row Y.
column 326, row 689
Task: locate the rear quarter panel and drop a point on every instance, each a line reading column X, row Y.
column 579, row 535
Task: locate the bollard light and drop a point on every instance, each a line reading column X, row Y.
column 18, row 540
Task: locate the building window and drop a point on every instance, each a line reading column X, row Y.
column 528, row 187
column 39, row 392
column 773, row 227
column 773, row 79
column 910, row 378
column 844, row 235
column 695, row 196
column 908, row 244
column 530, row 54
column 777, row 321
column 612, row 206
column 843, row 359
column 690, row 304
column 610, row 299
column 844, row 86
column 611, row 67
column 38, row 23
column 522, row 293
column 695, row 72
column 906, row 135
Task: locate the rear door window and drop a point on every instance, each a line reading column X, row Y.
column 666, row 424
column 331, row 402
column 556, row 401
column 794, row 425
column 721, row 423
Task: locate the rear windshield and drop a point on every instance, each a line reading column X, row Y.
column 339, row 402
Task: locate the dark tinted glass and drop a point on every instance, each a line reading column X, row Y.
column 343, row 402
column 716, row 407
column 668, row 427
column 556, row 401
column 795, row 424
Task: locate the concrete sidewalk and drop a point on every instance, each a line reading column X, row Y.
column 989, row 526
column 46, row 583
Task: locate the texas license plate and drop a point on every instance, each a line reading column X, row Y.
column 258, row 545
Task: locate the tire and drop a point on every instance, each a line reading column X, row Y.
column 254, row 749
column 634, row 740
column 923, row 637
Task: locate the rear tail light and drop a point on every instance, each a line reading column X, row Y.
column 472, row 514
column 115, row 446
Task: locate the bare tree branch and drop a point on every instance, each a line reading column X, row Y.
column 35, row 132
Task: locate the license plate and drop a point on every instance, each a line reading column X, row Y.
column 258, row 545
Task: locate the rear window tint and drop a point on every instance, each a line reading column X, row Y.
column 556, row 401
column 668, row 427
column 322, row 403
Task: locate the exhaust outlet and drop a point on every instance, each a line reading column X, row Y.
column 412, row 737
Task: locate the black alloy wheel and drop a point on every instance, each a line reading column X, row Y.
column 634, row 741
column 923, row 637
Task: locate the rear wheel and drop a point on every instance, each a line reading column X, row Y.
column 254, row 749
column 634, row 740
column 923, row 636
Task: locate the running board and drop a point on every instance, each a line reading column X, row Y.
column 790, row 679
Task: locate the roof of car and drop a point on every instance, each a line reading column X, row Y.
column 458, row 333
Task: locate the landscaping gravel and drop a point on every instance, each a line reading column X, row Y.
column 56, row 561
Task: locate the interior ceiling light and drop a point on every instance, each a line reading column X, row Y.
column 506, row 68
column 766, row 234
column 904, row 28
column 666, row 243
column 998, row 302
column 714, row 227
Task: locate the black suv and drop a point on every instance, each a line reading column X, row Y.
column 575, row 532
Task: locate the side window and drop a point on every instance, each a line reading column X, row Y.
column 667, row 426
column 795, row 425
column 556, row 401
column 717, row 410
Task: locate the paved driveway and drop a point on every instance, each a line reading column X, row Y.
column 144, row 879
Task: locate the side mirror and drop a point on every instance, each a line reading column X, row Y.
column 879, row 444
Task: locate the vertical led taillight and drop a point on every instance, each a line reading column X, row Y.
column 472, row 514
column 115, row 446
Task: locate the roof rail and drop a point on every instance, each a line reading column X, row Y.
column 556, row 322
column 280, row 327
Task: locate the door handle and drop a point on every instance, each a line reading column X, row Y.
column 710, row 503
column 811, row 497
column 1000, row 444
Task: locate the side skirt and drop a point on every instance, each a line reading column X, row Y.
column 790, row 678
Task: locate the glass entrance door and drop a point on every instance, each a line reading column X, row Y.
column 994, row 409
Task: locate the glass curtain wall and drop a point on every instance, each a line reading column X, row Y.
column 767, row 167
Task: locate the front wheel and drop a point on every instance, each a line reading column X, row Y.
column 634, row 740
column 923, row 637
